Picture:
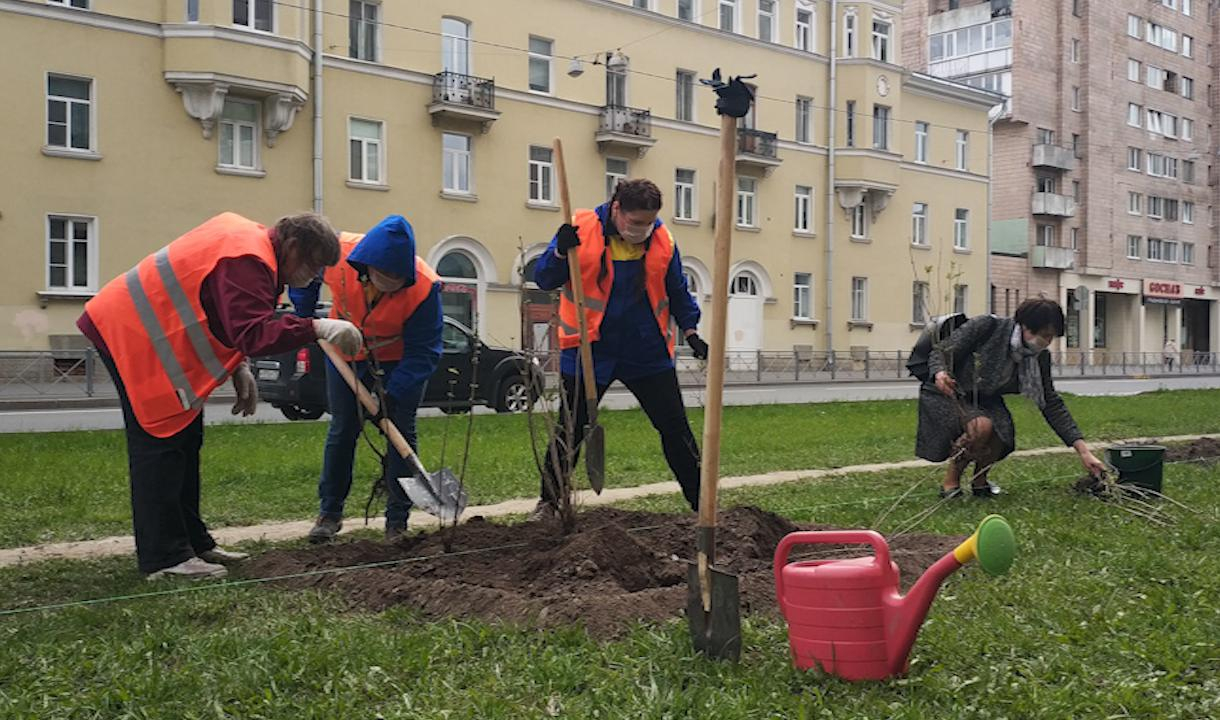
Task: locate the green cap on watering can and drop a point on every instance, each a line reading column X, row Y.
column 993, row 544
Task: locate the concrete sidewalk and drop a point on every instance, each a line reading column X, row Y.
column 279, row 531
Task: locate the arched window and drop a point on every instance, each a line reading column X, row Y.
column 455, row 46
column 460, row 293
column 744, row 284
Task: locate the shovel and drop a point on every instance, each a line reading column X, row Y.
column 595, row 435
column 440, row 493
column 713, row 604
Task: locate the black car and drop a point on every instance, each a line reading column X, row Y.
column 295, row 381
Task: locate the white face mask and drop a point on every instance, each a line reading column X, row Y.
column 384, row 283
column 635, row 235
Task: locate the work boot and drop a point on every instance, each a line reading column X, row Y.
column 543, row 511
column 220, row 556
column 394, row 532
column 325, row 529
column 193, row 569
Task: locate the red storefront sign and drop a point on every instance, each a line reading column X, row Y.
column 1166, row 289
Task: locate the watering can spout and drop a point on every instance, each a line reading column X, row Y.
column 992, row 544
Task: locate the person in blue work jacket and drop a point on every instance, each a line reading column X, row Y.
column 394, row 297
column 633, row 283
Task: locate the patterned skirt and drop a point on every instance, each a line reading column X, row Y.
column 940, row 422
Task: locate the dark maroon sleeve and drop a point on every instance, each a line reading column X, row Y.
column 239, row 297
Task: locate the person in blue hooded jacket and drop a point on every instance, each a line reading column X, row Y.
column 394, row 297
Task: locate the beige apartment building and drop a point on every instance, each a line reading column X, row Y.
column 861, row 198
column 1104, row 159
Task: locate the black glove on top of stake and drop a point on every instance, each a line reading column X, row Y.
column 697, row 345
column 566, row 238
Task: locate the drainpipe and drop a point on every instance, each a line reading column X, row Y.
column 830, row 175
column 993, row 116
column 317, row 106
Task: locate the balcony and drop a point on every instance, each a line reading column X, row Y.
column 1052, row 258
column 463, row 98
column 1053, row 156
column 756, row 150
column 625, row 128
column 1052, row 204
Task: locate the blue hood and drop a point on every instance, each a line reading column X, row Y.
column 389, row 247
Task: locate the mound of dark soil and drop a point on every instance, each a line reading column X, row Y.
column 1206, row 450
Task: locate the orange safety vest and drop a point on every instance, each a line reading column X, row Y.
column 153, row 322
column 381, row 325
column 597, row 292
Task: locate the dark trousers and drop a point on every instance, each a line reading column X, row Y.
column 164, row 489
column 661, row 400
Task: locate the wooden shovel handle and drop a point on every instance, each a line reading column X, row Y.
column 366, row 399
column 578, row 290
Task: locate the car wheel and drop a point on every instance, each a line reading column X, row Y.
column 296, row 412
column 514, row 395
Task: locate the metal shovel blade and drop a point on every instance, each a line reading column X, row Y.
column 438, row 493
column 595, row 456
column 716, row 632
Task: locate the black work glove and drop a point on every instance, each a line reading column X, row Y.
column 697, row 345
column 566, row 238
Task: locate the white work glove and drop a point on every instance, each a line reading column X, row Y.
column 247, row 391
column 340, row 333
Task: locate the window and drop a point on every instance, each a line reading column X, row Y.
column 1134, row 113
column 881, row 127
column 461, row 289
column 803, row 209
column 684, row 194
column 1161, row 36
column 362, row 30
column 1075, row 50
column 1099, row 320
column 1045, row 236
column 1076, row 190
column 747, row 199
column 455, row 46
column 1074, row 238
column 1134, row 202
column 69, row 113
column 961, row 232
column 1134, row 159
column 801, row 286
column 253, row 14
column 1188, row 253
column 1188, row 212
column 192, row 11
column 1188, row 88
column 540, row 64
column 994, row 35
column 1134, row 26
column 1133, row 247
column 921, row 141
column 849, row 34
column 79, row 4
column 1076, row 99
column 728, row 15
column 456, row 163
column 71, row 253
column 1186, row 129
column 686, row 10
column 851, row 123
column 1155, row 250
column 1188, row 171
column 642, row 4
column 1186, row 9
column 744, row 284
column 1046, row 137
column 881, row 40
column 804, row 119
column 919, row 224
column 1156, row 207
column 364, row 150
column 766, row 20
column 859, row 222
column 542, row 176
column 1076, row 7
column 859, row 299
column 1045, row 184
column 616, row 86
column 617, row 170
column 685, row 100
column 919, row 302
column 959, row 298
column 1133, row 70
column 804, row 27
column 963, row 140
column 1188, row 46
column 239, row 135
column 1169, row 251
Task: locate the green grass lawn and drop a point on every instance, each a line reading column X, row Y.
column 1102, row 616
column 73, row 486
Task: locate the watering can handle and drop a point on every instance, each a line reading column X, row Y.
column 827, row 537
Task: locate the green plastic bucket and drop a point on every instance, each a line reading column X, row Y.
column 1139, row 465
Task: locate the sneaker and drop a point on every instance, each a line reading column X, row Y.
column 220, row 556
column 195, row 569
column 325, row 530
column 985, row 491
column 394, row 532
column 543, row 511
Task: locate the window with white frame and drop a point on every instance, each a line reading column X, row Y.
column 1075, row 98
column 78, row 4
column 642, row 4
column 540, row 64
column 365, row 158
column 456, row 163
column 1188, row 212
column 1156, row 207
column 747, row 202
column 1186, row 7
column 1046, row 136
column 1133, row 247
column 1045, row 236
column 963, row 147
column 1188, row 46
column 919, row 224
column 617, row 170
column 685, row 99
column 850, row 123
column 1075, row 50
column 192, row 11
column 804, row 119
column 455, row 46
column 803, row 209
column 254, row 14
column 684, row 194
column 1133, row 70
column 881, row 127
column 921, row 141
column 1161, row 36
column 1186, row 129
column 70, row 113
column 1188, row 171
column 362, row 28
column 71, row 253
column 920, row 295
column 859, row 221
column 728, row 14
column 804, row 26
column 1134, row 26
column 1155, row 249
column 1188, row 253
column 961, row 229
column 766, row 20
column 686, row 10
column 1074, row 238
column 1134, row 202
column 881, row 40
column 802, row 287
column 1134, row 114
column 1187, row 88
column 859, row 299
column 995, row 35
column 1134, row 159
column 1171, row 4
column 616, row 86
column 239, row 135
column 1169, row 251
column 959, row 298
column 541, row 176
column 849, row 33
